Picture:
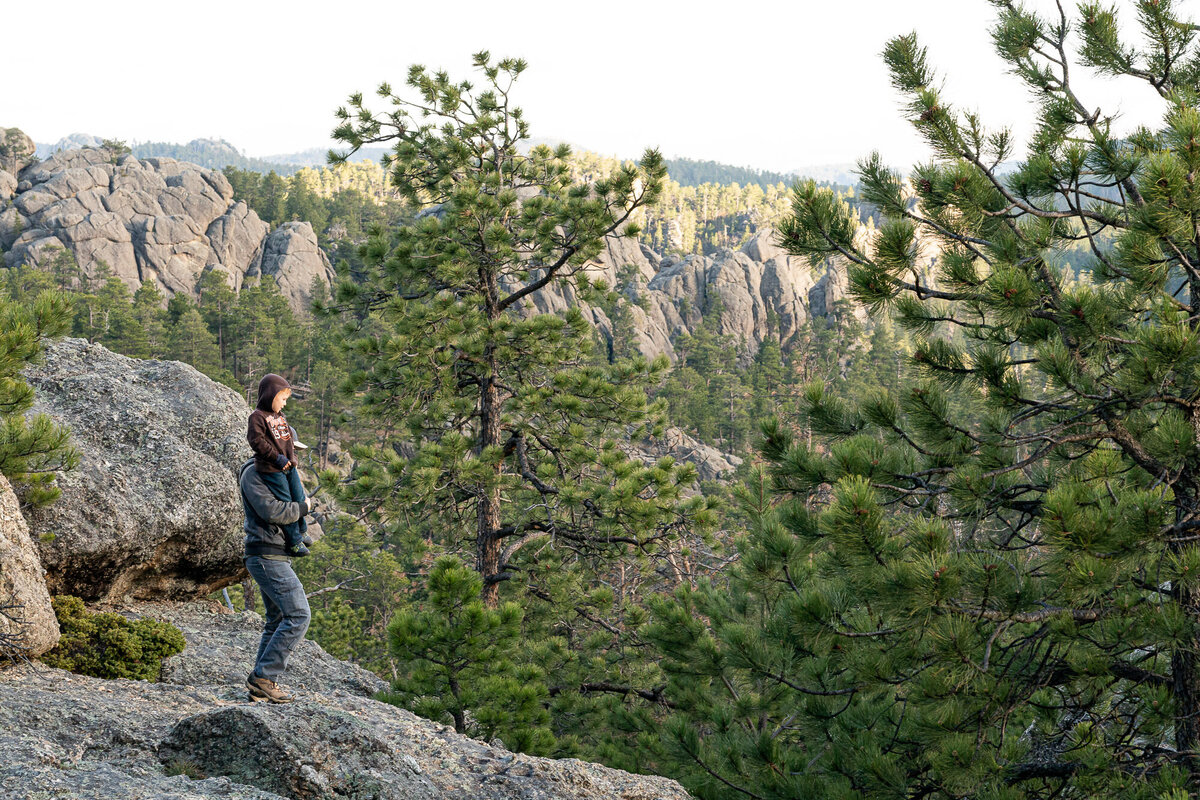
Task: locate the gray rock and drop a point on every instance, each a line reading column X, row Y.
column 31, row 621
column 12, row 225
column 159, row 219
column 71, row 736
column 16, row 149
column 711, row 464
column 153, row 509
column 315, row 749
column 8, row 185
column 755, row 285
column 236, row 238
column 64, row 735
column 102, row 236
column 173, row 250
column 222, row 645
column 290, row 255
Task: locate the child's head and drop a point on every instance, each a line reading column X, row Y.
column 273, row 392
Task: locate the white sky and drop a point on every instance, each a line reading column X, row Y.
column 775, row 85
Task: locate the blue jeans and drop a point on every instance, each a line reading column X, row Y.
column 287, row 614
column 286, row 486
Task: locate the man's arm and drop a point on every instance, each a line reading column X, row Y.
column 267, row 507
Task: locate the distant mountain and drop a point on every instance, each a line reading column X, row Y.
column 73, row 142
column 218, row 153
column 212, row 153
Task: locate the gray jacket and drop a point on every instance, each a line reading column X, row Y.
column 265, row 514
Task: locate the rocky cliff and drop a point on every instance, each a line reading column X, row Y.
column 70, row 736
column 757, row 286
column 155, row 218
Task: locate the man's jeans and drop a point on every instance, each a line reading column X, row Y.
column 287, row 614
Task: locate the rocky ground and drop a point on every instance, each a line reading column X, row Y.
column 65, row 736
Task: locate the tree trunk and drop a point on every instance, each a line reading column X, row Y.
column 487, row 539
column 1185, row 667
column 249, row 593
column 487, row 542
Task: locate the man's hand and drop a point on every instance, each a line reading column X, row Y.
column 311, row 503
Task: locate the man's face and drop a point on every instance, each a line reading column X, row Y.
column 280, row 400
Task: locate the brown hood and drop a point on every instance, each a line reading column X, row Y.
column 268, row 387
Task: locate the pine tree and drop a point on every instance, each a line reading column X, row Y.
column 984, row 584
column 514, row 434
column 149, row 311
column 217, row 303
column 304, row 204
column 453, row 655
column 272, row 199
column 191, row 342
column 32, row 448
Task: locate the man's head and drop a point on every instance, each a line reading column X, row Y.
column 273, row 392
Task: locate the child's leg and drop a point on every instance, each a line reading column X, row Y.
column 298, row 494
column 277, row 482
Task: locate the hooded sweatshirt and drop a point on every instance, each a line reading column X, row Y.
column 268, row 433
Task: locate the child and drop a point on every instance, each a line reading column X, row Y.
column 273, row 440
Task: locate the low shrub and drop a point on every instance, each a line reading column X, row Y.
column 106, row 645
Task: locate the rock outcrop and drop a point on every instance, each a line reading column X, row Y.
column 153, row 509
column 711, row 464
column 16, row 150
column 154, row 218
column 761, row 292
column 27, row 621
column 64, row 735
column 290, row 255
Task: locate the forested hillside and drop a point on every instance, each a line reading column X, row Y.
column 948, row 549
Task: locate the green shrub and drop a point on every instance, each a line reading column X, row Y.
column 107, row 645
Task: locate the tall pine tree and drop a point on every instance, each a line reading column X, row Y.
column 513, row 431
column 986, row 583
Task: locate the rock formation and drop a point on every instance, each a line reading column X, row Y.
column 756, row 285
column 152, row 218
column 153, row 508
column 711, row 464
column 16, row 150
column 26, row 618
column 64, row 735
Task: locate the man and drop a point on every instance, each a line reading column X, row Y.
column 283, row 596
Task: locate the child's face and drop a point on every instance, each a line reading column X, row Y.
column 280, row 400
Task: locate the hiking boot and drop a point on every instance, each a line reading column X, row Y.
column 306, row 540
column 265, row 690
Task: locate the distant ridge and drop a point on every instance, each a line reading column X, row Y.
column 219, row 153
column 690, row 172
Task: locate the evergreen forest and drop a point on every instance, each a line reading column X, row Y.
column 958, row 553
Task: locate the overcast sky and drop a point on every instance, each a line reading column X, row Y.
column 775, row 85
